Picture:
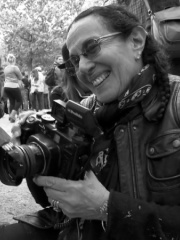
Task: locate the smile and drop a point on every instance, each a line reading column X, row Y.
column 100, row 79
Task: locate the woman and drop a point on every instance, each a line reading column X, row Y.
column 132, row 189
column 37, row 89
column 12, row 86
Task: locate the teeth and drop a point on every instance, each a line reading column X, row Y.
column 100, row 79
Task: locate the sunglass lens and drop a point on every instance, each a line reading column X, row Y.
column 92, row 47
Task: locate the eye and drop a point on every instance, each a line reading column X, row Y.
column 91, row 47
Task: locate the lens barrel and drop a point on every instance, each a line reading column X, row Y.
column 40, row 156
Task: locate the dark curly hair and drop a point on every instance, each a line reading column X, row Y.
column 117, row 18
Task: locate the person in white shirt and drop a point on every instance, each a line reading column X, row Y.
column 37, row 89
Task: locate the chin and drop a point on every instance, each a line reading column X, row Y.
column 105, row 99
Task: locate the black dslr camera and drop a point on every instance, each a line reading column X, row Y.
column 53, row 144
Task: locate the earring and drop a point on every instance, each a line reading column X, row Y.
column 138, row 56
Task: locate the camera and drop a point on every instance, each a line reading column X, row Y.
column 55, row 143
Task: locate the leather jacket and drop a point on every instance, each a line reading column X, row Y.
column 149, row 167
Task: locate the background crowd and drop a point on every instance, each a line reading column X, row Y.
column 22, row 91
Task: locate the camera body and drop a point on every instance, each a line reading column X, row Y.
column 57, row 143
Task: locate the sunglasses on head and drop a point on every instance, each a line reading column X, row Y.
column 91, row 48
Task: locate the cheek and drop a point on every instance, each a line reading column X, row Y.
column 116, row 89
column 119, row 79
column 82, row 81
column 123, row 75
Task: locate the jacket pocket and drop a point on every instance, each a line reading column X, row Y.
column 163, row 167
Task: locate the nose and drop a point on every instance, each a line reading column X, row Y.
column 86, row 66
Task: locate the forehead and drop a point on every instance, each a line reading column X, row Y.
column 86, row 28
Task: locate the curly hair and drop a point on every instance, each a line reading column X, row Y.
column 117, row 18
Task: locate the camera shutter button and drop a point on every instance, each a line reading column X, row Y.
column 31, row 119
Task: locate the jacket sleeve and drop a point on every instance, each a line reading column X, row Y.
column 131, row 219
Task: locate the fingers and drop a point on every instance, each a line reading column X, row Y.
column 56, row 194
column 51, row 182
column 79, row 198
column 16, row 128
column 62, row 184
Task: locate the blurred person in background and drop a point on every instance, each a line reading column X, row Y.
column 30, row 94
column 46, row 94
column 2, row 78
column 37, row 89
column 56, row 80
column 25, row 91
column 69, row 88
column 12, row 86
column 58, row 71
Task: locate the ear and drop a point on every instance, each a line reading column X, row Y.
column 138, row 39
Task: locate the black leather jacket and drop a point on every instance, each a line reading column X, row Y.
column 148, row 206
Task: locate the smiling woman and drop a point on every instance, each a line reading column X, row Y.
column 130, row 189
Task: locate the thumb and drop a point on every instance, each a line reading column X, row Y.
column 90, row 178
column 89, row 175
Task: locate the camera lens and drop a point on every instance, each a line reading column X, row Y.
column 22, row 162
column 39, row 156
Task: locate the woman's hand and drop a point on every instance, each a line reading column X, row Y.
column 21, row 120
column 16, row 128
column 77, row 199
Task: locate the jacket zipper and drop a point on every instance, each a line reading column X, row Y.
column 132, row 162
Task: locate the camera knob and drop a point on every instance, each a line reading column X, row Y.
column 47, row 118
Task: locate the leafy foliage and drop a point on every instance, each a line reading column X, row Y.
column 35, row 30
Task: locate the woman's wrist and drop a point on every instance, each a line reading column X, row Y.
column 103, row 209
